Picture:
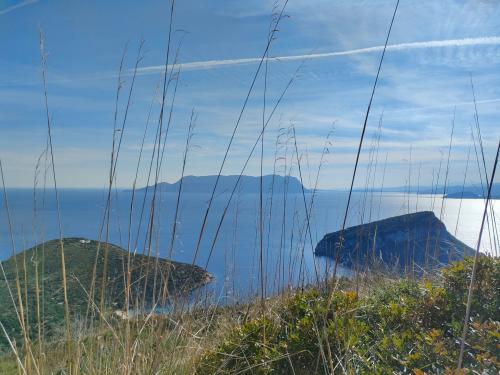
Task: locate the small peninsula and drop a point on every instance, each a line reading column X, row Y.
column 147, row 275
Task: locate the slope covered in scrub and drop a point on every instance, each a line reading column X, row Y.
column 80, row 257
column 379, row 326
column 394, row 326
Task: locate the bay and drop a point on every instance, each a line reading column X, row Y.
column 234, row 259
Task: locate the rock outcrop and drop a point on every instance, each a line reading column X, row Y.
column 418, row 239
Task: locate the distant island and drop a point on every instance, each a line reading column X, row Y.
column 473, row 191
column 464, row 195
column 247, row 184
column 80, row 257
column 418, row 238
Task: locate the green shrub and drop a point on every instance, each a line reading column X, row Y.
column 486, row 290
column 398, row 327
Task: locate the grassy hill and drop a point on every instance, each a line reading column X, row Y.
column 80, row 258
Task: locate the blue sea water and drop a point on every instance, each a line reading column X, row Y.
column 234, row 261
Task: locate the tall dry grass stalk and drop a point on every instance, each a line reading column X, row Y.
column 236, row 126
column 17, row 299
column 365, row 123
column 67, row 316
column 474, row 268
column 491, row 219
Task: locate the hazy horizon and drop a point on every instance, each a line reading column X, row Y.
column 306, row 185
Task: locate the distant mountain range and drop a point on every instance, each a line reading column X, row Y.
column 247, row 184
column 251, row 184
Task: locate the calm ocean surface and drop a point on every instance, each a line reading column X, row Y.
column 234, row 261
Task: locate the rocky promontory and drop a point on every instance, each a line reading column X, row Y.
column 419, row 239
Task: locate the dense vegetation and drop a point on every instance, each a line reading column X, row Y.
column 398, row 326
column 387, row 326
column 44, row 302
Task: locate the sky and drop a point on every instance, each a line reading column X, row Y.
column 330, row 49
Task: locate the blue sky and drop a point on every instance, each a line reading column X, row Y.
column 435, row 46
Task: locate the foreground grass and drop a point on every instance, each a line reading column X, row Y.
column 389, row 326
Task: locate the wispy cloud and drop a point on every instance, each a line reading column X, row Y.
column 17, row 6
column 209, row 64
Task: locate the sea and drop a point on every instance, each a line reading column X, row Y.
column 233, row 258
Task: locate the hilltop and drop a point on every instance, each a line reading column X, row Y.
column 247, row 184
column 80, row 257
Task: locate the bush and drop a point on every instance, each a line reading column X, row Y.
column 486, row 289
column 399, row 327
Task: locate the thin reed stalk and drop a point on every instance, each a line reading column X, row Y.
column 365, row 123
column 67, row 316
column 474, row 267
column 214, row 241
column 235, row 128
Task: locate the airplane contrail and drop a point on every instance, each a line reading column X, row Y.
column 209, row 64
column 16, row 6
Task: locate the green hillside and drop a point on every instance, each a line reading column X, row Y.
column 80, row 257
